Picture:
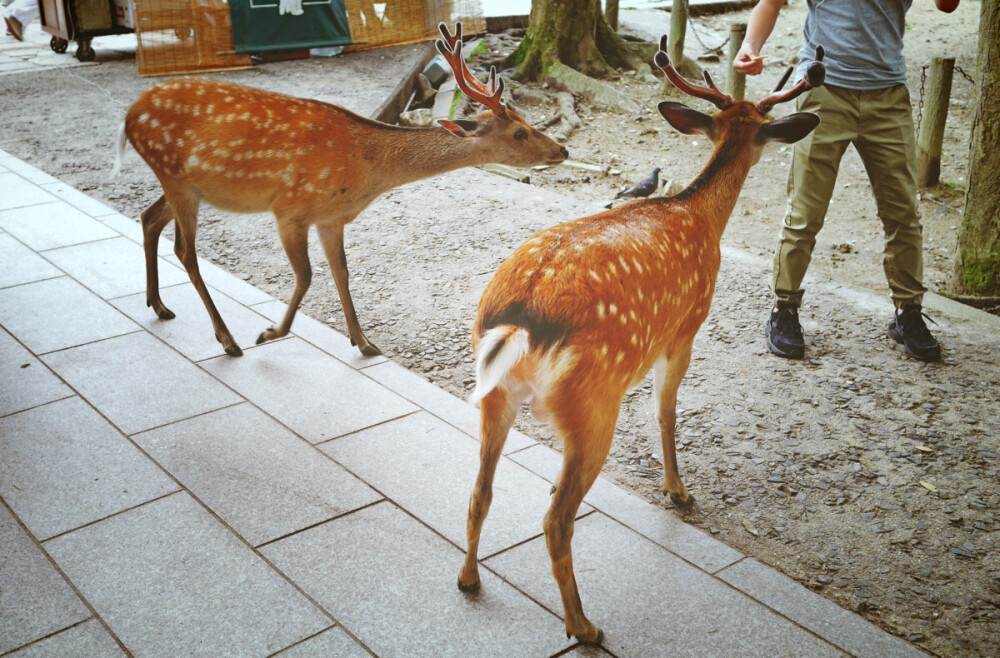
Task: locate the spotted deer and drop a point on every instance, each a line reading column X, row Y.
column 248, row 150
column 579, row 313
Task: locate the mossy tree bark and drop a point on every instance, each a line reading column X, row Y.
column 574, row 32
column 977, row 262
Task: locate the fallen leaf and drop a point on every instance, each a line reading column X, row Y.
column 925, row 449
column 749, row 528
column 928, row 486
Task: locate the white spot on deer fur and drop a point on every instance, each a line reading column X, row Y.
column 638, row 293
column 193, row 161
column 620, row 357
column 600, row 310
column 613, row 309
column 635, row 339
column 623, row 318
column 624, row 264
column 595, row 276
column 638, row 265
column 604, row 351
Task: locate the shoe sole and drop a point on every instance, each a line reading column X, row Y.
column 777, row 351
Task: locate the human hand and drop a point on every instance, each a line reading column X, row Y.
column 748, row 60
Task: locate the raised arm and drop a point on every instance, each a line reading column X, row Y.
column 759, row 28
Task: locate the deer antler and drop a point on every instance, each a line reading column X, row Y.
column 489, row 94
column 711, row 93
column 815, row 75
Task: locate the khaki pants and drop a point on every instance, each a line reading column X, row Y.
column 879, row 124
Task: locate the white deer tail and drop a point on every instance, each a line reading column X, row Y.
column 499, row 350
column 120, row 151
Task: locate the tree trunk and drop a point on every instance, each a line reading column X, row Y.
column 977, row 262
column 573, row 32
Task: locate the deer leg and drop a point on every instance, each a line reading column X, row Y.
column 295, row 239
column 154, row 219
column 332, row 237
column 668, row 374
column 586, row 441
column 496, row 414
column 185, row 208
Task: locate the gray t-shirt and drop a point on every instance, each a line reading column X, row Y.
column 863, row 40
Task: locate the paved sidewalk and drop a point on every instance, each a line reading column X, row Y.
column 161, row 498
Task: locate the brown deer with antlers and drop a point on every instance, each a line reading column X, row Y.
column 310, row 163
column 582, row 311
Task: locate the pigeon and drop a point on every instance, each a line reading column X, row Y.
column 643, row 188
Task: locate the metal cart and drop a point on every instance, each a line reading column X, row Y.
column 80, row 21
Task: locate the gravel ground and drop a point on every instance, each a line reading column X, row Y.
column 867, row 476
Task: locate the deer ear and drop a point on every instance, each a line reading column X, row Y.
column 686, row 120
column 788, row 130
column 460, row 127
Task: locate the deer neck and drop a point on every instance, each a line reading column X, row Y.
column 404, row 156
column 713, row 194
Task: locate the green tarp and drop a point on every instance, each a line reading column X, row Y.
column 267, row 25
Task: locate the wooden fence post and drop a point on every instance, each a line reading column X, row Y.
column 736, row 82
column 936, row 91
column 678, row 27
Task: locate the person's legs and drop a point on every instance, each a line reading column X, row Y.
column 19, row 15
column 887, row 148
column 813, row 173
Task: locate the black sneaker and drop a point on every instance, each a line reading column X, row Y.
column 784, row 333
column 909, row 329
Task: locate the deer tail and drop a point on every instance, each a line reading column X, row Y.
column 119, row 150
column 499, row 350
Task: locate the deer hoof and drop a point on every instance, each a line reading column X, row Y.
column 234, row 350
column 592, row 635
column 162, row 311
column 269, row 334
column 682, row 503
column 468, row 587
column 371, row 350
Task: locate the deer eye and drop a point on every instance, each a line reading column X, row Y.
column 521, row 135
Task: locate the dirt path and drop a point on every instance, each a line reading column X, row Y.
column 815, row 468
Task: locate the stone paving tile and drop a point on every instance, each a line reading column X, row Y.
column 219, row 279
column 88, row 640
column 823, row 617
column 25, row 382
column 112, row 268
column 439, row 402
column 663, row 526
column 78, row 199
column 170, row 580
column 649, row 602
column 318, row 398
column 35, row 601
column 334, row 642
column 19, row 264
column 18, row 193
column 132, row 230
column 116, row 376
column 320, row 335
column 52, row 225
column 261, row 479
column 58, row 313
column 191, row 332
column 392, row 582
column 429, row 468
column 64, row 466
column 25, row 170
